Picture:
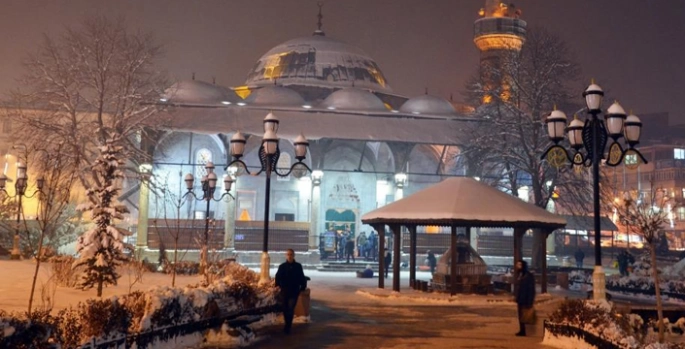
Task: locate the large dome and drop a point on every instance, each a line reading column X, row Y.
column 317, row 61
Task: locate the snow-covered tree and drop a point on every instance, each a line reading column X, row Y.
column 101, row 249
column 646, row 216
column 513, row 96
column 94, row 84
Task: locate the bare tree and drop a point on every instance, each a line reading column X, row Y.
column 647, row 217
column 171, row 204
column 93, row 89
column 517, row 93
column 54, row 199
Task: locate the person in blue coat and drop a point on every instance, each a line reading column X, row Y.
column 290, row 280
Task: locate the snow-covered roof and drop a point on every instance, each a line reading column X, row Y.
column 463, row 201
column 315, row 124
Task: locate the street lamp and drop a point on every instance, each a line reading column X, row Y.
column 20, row 185
column 269, row 152
column 208, row 182
column 592, row 135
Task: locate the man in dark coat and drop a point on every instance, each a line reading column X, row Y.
column 432, row 261
column 524, row 292
column 387, row 261
column 580, row 255
column 349, row 249
column 290, row 280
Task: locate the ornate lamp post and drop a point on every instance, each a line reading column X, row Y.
column 208, row 182
column 20, row 185
column 269, row 152
column 593, row 135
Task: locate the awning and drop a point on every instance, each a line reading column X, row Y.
column 588, row 223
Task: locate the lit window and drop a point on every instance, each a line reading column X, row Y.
column 283, row 165
column 679, row 153
column 203, row 157
column 630, row 159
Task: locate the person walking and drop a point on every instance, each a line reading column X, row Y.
column 290, row 280
column 580, row 255
column 432, row 262
column 524, row 293
column 387, row 260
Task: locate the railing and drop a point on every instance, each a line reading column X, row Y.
column 249, row 236
column 190, row 233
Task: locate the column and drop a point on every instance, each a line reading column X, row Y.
column 229, row 223
column 143, row 208
column 315, row 227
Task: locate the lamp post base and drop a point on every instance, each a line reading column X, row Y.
column 598, row 283
column 264, row 276
column 15, row 254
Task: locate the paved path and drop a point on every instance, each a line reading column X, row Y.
column 342, row 318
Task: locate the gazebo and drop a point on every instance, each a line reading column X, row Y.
column 459, row 202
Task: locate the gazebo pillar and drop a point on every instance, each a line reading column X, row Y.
column 380, row 228
column 412, row 255
column 396, row 232
column 518, row 243
column 453, row 261
column 543, row 260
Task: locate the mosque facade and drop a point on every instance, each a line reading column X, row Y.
column 368, row 146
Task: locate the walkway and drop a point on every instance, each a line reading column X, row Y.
column 348, row 312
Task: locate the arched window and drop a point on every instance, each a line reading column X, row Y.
column 283, row 165
column 202, row 157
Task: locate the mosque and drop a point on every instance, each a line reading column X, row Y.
column 368, row 146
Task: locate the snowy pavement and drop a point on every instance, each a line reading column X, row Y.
column 349, row 312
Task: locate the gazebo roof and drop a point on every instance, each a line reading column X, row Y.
column 462, row 201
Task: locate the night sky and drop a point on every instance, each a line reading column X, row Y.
column 635, row 49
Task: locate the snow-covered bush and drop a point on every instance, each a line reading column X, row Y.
column 138, row 312
column 103, row 319
column 63, row 272
column 602, row 320
column 641, row 278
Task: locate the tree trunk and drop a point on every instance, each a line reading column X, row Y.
column 35, row 272
column 538, row 251
column 173, row 267
column 657, row 289
column 100, row 287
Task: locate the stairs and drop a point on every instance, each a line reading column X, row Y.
column 341, row 266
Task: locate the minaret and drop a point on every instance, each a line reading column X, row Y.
column 497, row 33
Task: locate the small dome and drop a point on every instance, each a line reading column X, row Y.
column 427, row 104
column 353, row 99
column 198, row 92
column 275, row 96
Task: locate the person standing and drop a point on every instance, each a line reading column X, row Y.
column 349, row 249
column 290, row 280
column 524, row 293
column 361, row 244
column 432, row 262
column 580, row 255
column 387, row 260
